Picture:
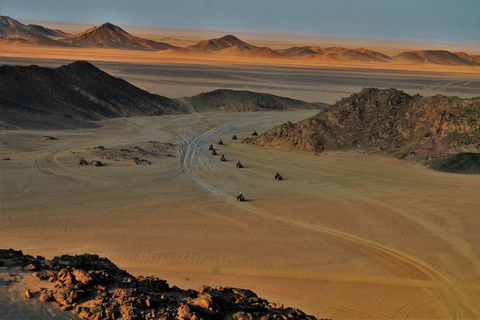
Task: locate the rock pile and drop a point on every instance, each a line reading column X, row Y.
column 95, row 288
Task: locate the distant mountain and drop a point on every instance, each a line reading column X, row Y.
column 360, row 54
column 46, row 32
column 302, row 51
column 374, row 54
column 437, row 57
column 11, row 28
column 386, row 121
column 232, row 100
column 36, row 40
column 264, row 52
column 225, row 42
column 72, row 96
column 473, row 58
column 336, row 53
column 110, row 36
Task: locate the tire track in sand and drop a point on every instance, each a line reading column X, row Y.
column 458, row 302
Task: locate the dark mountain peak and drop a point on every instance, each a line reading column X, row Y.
column 80, row 65
column 225, row 42
column 109, row 35
column 230, row 38
column 72, row 96
column 106, row 29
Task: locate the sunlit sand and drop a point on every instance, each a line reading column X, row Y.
column 345, row 235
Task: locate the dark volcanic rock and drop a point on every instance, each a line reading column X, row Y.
column 465, row 162
column 94, row 288
column 71, row 96
column 386, row 121
column 232, row 100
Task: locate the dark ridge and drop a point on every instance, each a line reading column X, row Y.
column 71, row 96
column 232, row 100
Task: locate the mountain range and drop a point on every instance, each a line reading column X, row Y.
column 78, row 94
column 384, row 121
column 108, row 35
column 12, row 28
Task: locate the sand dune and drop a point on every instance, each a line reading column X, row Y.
column 345, row 235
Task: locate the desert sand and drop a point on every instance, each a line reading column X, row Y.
column 345, row 235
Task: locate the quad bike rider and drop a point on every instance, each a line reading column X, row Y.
column 214, row 152
column 222, row 158
column 254, row 133
column 234, row 137
column 220, row 142
column 240, row 197
column 211, row 147
column 278, row 176
column 239, row 165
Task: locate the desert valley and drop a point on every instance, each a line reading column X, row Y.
column 105, row 140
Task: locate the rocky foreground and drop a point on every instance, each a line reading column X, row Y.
column 384, row 121
column 95, row 288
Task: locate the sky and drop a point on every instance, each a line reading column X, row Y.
column 418, row 19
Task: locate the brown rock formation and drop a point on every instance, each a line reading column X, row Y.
column 94, row 288
column 386, row 121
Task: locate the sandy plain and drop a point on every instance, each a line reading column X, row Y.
column 345, row 235
column 177, row 75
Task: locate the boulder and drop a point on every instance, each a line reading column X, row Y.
column 82, row 276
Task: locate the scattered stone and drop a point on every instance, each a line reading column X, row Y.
column 6, row 159
column 139, row 161
column 49, row 138
column 28, row 294
column 184, row 312
column 100, row 148
column 96, row 163
column 82, row 162
column 45, row 296
column 82, row 276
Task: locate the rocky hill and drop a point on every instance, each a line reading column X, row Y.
column 78, row 94
column 71, row 96
column 232, row 100
column 386, row 121
column 94, row 288
column 108, row 35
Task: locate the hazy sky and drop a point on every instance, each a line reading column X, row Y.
column 423, row 19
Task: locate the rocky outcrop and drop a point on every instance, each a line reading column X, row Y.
column 94, row 288
column 385, row 121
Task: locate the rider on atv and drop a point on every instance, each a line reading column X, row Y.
column 278, row 176
column 239, row 165
column 234, row 137
column 222, row 158
column 214, row 152
column 240, row 197
column 220, row 142
column 211, row 147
